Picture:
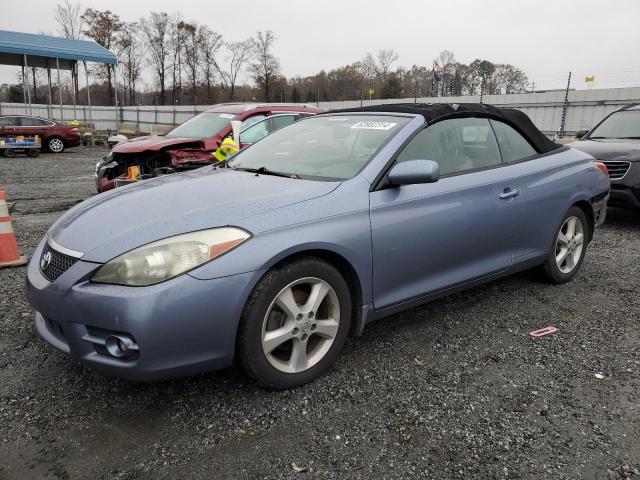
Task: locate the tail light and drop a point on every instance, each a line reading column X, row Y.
column 74, row 129
column 602, row 167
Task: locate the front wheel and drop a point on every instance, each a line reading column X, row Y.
column 569, row 248
column 294, row 324
column 55, row 145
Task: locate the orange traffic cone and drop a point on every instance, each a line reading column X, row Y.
column 9, row 255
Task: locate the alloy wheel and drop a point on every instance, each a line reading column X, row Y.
column 300, row 325
column 569, row 244
column 56, row 145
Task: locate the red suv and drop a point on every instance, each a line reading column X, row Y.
column 55, row 136
column 187, row 146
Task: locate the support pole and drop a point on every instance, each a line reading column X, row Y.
column 564, row 107
column 74, row 65
column 86, row 76
column 24, row 87
column 59, row 90
column 49, row 105
column 115, row 96
column 26, row 66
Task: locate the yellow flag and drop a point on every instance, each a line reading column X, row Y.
column 589, row 79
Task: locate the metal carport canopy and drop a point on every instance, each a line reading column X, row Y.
column 41, row 48
column 28, row 50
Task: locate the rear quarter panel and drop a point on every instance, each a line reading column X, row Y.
column 549, row 186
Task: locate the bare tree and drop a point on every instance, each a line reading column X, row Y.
column 156, row 30
column 103, row 27
column 239, row 53
column 130, row 57
column 446, row 58
column 176, row 43
column 265, row 66
column 209, row 43
column 378, row 67
column 191, row 49
column 385, row 59
column 368, row 66
column 69, row 19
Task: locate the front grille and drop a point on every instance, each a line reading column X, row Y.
column 617, row 168
column 57, row 263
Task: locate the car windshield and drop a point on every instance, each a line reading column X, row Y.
column 328, row 147
column 619, row 125
column 203, row 125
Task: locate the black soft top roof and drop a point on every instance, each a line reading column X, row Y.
column 433, row 112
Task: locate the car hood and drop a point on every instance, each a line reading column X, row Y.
column 117, row 221
column 153, row 143
column 610, row 149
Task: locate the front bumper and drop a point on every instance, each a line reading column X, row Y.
column 181, row 327
column 625, row 191
column 624, row 196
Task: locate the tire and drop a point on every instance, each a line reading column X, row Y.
column 33, row 152
column 568, row 250
column 9, row 153
column 309, row 341
column 55, row 145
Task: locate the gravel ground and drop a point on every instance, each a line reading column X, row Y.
column 455, row 389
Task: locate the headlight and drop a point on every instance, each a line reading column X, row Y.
column 168, row 258
column 108, row 158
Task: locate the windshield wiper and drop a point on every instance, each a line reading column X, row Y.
column 266, row 171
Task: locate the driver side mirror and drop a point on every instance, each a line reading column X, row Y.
column 414, row 172
column 581, row 133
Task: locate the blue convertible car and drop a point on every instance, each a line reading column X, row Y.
column 275, row 257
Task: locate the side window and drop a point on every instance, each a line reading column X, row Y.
column 457, row 145
column 513, row 146
column 31, row 122
column 254, row 132
column 247, row 122
column 8, row 121
column 282, row 121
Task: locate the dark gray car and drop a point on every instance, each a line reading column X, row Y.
column 615, row 141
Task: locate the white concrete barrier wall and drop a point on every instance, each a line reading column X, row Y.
column 585, row 109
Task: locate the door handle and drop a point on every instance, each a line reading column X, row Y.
column 509, row 193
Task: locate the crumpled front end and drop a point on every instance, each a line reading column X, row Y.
column 113, row 170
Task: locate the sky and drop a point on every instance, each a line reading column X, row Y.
column 546, row 39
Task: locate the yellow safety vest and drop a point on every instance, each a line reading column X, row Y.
column 227, row 148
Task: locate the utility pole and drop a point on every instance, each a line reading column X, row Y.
column 564, row 107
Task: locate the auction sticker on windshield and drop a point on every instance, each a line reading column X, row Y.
column 226, row 115
column 374, row 125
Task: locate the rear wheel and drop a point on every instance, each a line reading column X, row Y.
column 55, row 145
column 33, row 152
column 569, row 248
column 294, row 324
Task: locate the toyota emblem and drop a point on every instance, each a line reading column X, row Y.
column 45, row 261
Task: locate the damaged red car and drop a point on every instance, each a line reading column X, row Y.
column 187, row 146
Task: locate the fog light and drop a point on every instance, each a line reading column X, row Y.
column 120, row 346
